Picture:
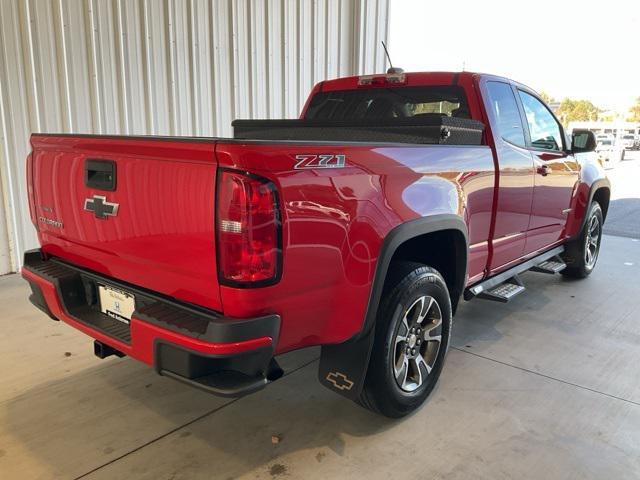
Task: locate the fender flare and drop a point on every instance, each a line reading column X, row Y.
column 397, row 237
column 343, row 367
column 595, row 186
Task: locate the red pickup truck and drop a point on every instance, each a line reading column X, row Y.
column 357, row 227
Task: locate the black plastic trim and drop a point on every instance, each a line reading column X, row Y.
column 212, row 328
column 601, row 183
column 100, row 174
column 37, row 300
column 223, row 375
column 403, row 233
column 167, row 313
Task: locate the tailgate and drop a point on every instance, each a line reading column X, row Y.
column 152, row 225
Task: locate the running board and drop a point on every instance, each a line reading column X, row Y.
column 506, row 285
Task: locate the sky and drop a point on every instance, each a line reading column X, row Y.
column 579, row 49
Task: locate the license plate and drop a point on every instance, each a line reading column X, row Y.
column 116, row 303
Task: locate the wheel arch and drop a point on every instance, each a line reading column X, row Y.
column 400, row 244
column 445, row 250
column 601, row 194
column 600, row 191
column 349, row 360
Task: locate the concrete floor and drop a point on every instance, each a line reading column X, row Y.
column 547, row 386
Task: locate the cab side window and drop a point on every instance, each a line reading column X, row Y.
column 544, row 129
column 505, row 110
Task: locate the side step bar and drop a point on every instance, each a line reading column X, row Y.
column 553, row 265
column 505, row 291
column 506, row 285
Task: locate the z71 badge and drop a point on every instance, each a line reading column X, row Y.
column 320, row 161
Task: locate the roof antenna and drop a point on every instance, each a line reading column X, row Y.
column 391, row 70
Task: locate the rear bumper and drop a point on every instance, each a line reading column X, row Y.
column 221, row 355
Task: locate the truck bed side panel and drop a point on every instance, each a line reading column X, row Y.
column 335, row 220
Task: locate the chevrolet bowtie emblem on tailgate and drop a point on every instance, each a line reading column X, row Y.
column 100, row 207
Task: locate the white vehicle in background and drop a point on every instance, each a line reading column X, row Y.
column 627, row 141
column 609, row 152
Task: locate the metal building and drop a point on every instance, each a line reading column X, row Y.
column 163, row 67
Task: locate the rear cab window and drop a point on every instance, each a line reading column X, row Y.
column 389, row 103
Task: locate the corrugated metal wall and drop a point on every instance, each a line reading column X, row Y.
column 165, row 67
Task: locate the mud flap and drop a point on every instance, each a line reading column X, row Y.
column 343, row 367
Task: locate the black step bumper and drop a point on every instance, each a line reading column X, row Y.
column 221, row 355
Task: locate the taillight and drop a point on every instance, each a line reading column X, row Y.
column 248, row 229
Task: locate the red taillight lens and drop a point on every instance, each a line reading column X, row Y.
column 248, row 226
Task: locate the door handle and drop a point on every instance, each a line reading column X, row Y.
column 544, row 170
column 100, row 174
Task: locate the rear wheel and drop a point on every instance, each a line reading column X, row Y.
column 582, row 253
column 411, row 340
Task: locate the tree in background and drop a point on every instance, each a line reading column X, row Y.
column 635, row 111
column 577, row 110
column 547, row 98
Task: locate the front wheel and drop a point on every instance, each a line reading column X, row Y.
column 411, row 340
column 582, row 253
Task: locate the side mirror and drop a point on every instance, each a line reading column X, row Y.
column 583, row 141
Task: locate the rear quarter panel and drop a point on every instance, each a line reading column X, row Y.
column 335, row 220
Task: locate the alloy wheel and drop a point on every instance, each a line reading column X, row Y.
column 417, row 343
column 592, row 242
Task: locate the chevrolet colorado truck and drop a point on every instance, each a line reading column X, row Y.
column 358, row 227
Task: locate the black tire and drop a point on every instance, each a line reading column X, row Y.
column 579, row 263
column 410, row 285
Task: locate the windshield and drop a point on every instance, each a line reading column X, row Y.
column 389, row 103
column 605, row 142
